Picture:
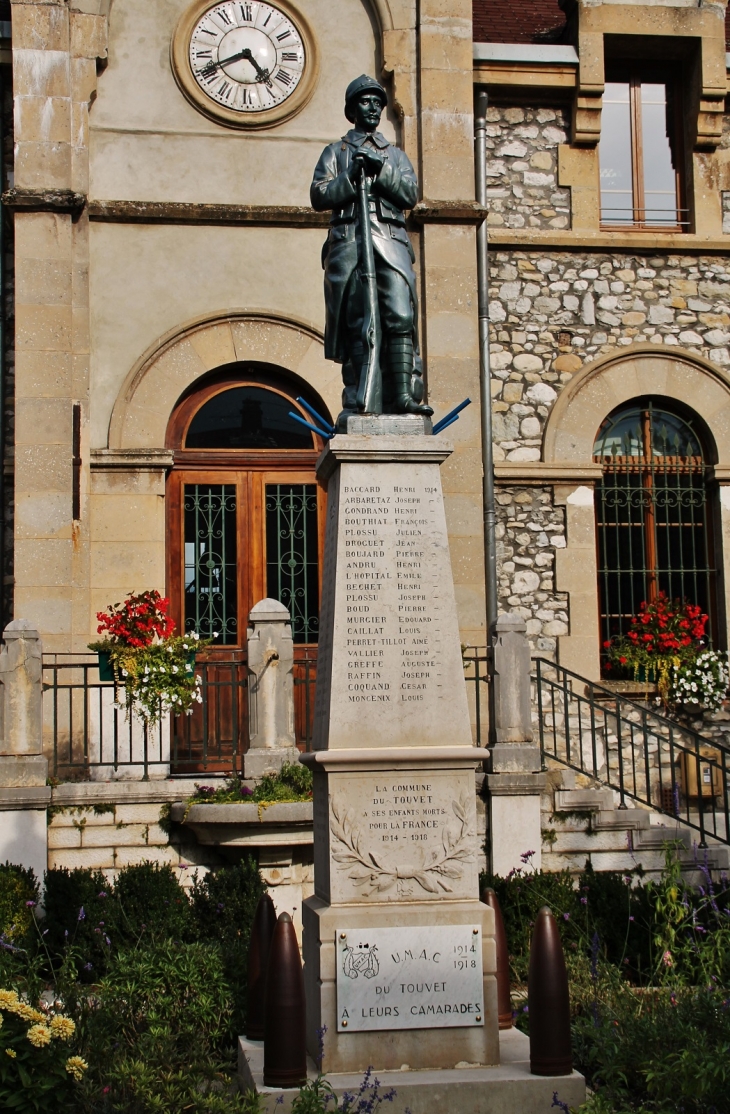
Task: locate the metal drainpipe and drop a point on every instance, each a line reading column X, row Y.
column 3, row 616
column 485, row 374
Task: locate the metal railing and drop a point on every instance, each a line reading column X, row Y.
column 625, row 745
column 87, row 733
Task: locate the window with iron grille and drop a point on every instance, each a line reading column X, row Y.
column 653, row 513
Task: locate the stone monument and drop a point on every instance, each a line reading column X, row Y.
column 270, row 690
column 399, row 952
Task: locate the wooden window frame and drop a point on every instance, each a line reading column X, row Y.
column 636, row 76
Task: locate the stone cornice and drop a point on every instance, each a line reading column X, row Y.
column 181, row 212
column 44, row 201
column 131, row 460
column 561, row 240
column 538, row 472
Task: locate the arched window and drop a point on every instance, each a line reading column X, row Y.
column 244, row 507
column 653, row 511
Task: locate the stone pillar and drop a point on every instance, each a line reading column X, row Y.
column 395, row 831
column 270, row 690
column 515, row 780
column 24, row 794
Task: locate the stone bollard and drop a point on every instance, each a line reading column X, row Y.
column 504, row 1001
column 270, row 690
column 515, row 780
column 262, row 930
column 24, row 795
column 285, row 1054
column 548, row 1000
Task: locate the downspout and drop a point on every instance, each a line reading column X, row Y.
column 485, row 374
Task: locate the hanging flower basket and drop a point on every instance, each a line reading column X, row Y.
column 154, row 668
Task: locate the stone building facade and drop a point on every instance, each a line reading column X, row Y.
column 164, row 250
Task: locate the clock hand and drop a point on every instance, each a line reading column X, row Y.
column 211, row 67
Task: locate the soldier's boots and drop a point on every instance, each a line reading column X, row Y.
column 400, row 368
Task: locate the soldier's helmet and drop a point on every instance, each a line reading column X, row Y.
column 356, row 88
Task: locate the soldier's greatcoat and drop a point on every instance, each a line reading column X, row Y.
column 393, row 190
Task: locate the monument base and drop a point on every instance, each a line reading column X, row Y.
column 259, row 761
column 505, row 1088
column 383, row 1047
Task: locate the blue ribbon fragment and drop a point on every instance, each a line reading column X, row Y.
column 314, row 429
column 451, row 417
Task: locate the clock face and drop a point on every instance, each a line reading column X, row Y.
column 246, row 56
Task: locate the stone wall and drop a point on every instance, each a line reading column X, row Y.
column 522, row 168
column 529, row 530
column 604, row 302
column 7, row 365
column 108, row 827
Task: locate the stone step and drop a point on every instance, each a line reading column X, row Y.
column 655, row 837
column 583, row 800
column 617, row 819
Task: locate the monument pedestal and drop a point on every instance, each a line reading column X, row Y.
column 398, row 950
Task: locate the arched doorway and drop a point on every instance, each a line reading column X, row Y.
column 654, row 511
column 245, row 520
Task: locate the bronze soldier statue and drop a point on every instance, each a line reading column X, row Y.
column 369, row 283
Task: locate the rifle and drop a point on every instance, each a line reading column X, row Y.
column 370, row 389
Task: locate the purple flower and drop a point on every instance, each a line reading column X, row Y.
column 631, row 918
column 30, row 904
column 82, row 914
column 526, row 856
column 562, row 1105
column 87, row 967
column 584, row 901
column 566, row 916
column 102, row 893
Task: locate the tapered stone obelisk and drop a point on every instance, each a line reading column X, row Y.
column 399, row 951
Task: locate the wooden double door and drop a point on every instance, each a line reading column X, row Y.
column 243, row 524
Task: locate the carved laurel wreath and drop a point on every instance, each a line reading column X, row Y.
column 376, row 877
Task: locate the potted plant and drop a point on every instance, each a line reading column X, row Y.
column 142, row 655
column 666, row 645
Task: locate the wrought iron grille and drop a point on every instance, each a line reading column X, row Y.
column 211, row 595
column 292, row 550
column 652, row 513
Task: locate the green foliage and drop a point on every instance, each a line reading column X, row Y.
column 661, row 1051
column 151, row 903
column 77, row 904
column 18, row 888
column 294, row 783
column 39, row 1069
column 159, row 1036
column 223, row 908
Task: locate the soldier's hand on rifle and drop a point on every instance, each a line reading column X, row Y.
column 369, row 161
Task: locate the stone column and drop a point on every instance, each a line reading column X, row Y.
column 270, row 690
column 515, row 780
column 395, row 937
column 24, row 794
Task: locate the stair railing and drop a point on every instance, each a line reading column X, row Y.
column 642, row 755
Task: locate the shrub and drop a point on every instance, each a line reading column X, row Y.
column 223, row 907
column 80, row 912
column 18, row 895
column 151, row 903
column 157, row 1037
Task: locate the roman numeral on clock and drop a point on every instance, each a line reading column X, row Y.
column 225, row 90
column 284, row 35
column 289, row 56
column 246, row 12
column 223, row 14
column 283, row 77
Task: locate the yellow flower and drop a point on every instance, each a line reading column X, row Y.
column 62, row 1027
column 76, row 1066
column 27, row 1013
column 8, row 999
column 11, row 1053
column 39, row 1035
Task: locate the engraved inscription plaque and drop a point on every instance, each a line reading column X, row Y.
column 403, row 835
column 429, row 977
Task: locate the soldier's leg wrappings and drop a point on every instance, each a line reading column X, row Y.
column 400, row 367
